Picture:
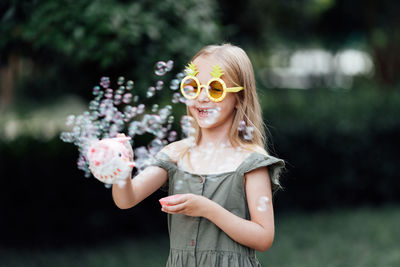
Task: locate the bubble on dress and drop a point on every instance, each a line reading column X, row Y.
column 262, row 203
column 178, row 185
column 212, row 178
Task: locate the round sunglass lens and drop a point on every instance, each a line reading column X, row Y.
column 190, row 88
column 216, row 89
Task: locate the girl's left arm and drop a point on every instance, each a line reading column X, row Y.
column 256, row 233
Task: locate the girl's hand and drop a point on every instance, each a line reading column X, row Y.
column 188, row 204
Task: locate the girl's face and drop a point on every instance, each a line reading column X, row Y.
column 207, row 113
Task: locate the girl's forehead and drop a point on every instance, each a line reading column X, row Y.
column 205, row 65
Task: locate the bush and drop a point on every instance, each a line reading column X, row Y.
column 340, row 146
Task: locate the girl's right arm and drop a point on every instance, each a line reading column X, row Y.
column 137, row 189
column 148, row 181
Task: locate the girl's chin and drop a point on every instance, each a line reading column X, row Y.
column 206, row 122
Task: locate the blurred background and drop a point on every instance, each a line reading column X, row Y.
column 327, row 74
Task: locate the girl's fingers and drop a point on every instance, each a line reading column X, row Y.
column 176, row 201
column 175, row 209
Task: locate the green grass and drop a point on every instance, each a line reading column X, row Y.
column 359, row 237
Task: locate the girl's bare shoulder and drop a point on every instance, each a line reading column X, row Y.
column 255, row 148
column 176, row 149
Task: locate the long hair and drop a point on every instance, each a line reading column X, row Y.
column 238, row 70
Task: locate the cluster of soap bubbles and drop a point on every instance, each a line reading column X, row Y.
column 212, row 116
column 115, row 110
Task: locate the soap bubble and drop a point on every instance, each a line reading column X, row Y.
column 136, row 127
column 262, row 203
column 154, row 108
column 129, row 85
column 70, row 120
column 242, row 126
column 67, row 137
column 171, row 119
column 178, row 185
column 213, row 114
column 186, row 125
column 105, row 82
column 140, row 108
column 150, row 92
column 161, row 68
column 170, row 65
column 117, row 99
column 165, row 112
column 160, row 85
column 108, row 186
column 175, row 98
column 127, row 98
column 121, row 90
column 174, row 84
column 135, row 98
column 96, row 90
column 155, row 146
column 121, row 80
column 248, row 133
column 172, row 136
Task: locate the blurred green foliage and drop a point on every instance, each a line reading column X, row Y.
column 340, row 146
column 73, row 42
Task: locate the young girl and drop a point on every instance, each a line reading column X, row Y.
column 221, row 176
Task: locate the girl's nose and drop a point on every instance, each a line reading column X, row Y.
column 203, row 97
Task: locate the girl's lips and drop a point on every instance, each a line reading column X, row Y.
column 203, row 113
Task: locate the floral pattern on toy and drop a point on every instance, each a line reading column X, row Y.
column 110, row 160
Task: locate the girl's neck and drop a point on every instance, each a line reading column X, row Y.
column 215, row 136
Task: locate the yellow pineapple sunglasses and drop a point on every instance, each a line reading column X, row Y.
column 216, row 87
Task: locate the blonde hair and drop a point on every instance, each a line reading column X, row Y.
column 238, row 70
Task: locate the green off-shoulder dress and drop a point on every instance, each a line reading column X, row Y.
column 196, row 241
